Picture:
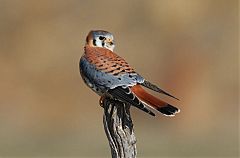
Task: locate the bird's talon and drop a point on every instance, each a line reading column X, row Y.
column 101, row 101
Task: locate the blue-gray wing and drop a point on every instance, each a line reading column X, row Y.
column 104, row 80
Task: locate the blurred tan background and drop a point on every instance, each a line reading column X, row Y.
column 189, row 48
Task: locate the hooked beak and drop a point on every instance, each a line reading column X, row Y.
column 110, row 41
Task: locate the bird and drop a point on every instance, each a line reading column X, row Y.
column 110, row 76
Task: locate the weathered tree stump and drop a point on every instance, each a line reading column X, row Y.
column 119, row 128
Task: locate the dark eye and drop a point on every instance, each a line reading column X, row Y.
column 101, row 38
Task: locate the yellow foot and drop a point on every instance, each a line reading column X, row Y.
column 101, row 100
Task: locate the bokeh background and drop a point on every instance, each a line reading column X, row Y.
column 189, row 48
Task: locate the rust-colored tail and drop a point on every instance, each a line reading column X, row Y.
column 154, row 102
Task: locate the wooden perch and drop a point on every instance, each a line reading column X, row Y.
column 119, row 128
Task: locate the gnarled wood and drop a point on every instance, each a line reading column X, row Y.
column 119, row 128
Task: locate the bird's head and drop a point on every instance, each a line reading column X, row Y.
column 100, row 38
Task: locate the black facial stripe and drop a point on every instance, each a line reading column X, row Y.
column 94, row 42
column 102, row 43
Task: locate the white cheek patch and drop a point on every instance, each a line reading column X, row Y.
column 110, row 47
column 98, row 43
column 113, row 46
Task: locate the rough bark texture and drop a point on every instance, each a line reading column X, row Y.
column 119, row 129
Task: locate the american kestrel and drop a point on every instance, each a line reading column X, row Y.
column 109, row 75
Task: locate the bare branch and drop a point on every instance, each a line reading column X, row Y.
column 119, row 129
